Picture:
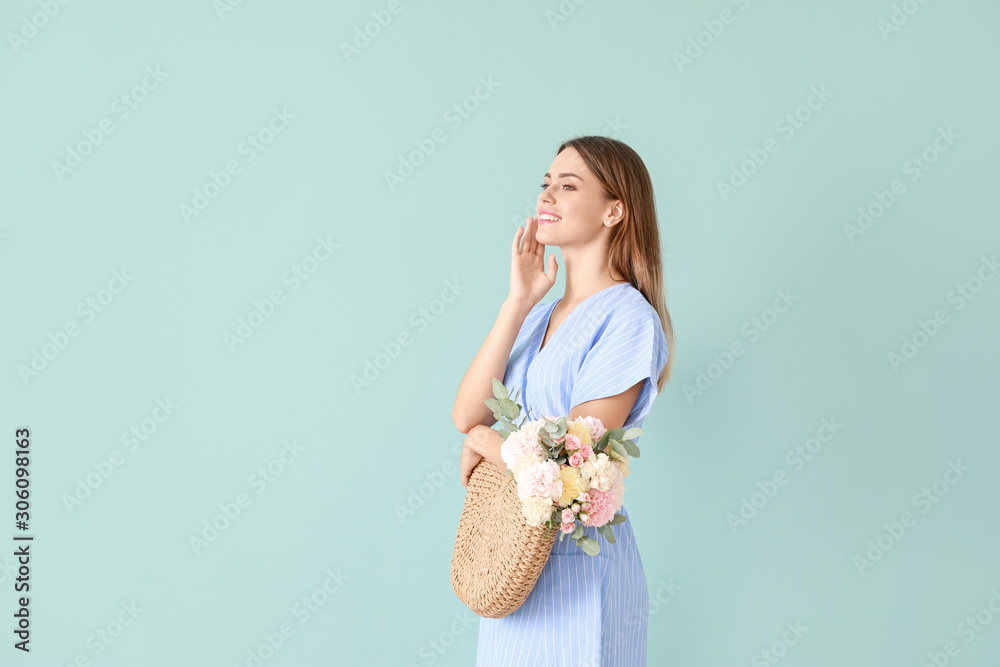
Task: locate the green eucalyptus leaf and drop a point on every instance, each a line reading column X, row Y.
column 633, row 432
column 493, row 404
column 618, row 447
column 590, row 546
column 631, row 449
column 578, row 532
column 617, row 519
column 609, row 533
column 499, row 390
column 603, row 441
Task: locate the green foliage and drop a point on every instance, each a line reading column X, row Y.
column 632, row 433
column 631, row 448
column 506, row 410
column 499, row 390
column 590, row 546
column 618, row 447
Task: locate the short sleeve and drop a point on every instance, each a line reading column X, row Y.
column 630, row 348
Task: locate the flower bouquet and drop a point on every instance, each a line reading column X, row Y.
column 569, row 472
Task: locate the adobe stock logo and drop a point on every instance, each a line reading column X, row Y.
column 381, row 18
column 265, row 308
column 29, row 28
column 927, row 329
column 914, row 167
column 787, row 125
column 122, row 106
column 454, row 115
column 231, row 510
column 251, row 146
column 697, row 44
column 796, row 457
column 88, row 309
column 421, row 320
column 753, row 329
column 924, row 500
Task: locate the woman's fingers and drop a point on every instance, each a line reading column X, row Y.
column 529, row 233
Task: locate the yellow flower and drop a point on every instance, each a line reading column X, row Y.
column 580, row 430
column 573, row 485
column 624, row 467
column 622, row 460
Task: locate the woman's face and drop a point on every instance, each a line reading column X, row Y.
column 573, row 197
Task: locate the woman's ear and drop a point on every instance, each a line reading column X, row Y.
column 617, row 211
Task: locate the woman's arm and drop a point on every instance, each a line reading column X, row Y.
column 611, row 410
column 481, row 442
column 486, row 442
column 491, row 362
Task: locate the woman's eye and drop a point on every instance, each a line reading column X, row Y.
column 565, row 185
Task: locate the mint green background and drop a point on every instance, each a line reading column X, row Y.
column 608, row 68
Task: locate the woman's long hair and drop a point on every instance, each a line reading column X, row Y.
column 635, row 242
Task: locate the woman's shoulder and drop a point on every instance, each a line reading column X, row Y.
column 632, row 317
column 631, row 304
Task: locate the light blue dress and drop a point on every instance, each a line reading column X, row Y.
column 584, row 611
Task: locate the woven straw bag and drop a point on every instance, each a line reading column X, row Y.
column 497, row 557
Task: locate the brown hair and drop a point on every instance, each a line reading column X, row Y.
column 635, row 241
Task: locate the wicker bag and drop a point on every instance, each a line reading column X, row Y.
column 497, row 557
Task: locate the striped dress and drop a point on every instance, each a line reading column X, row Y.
column 584, row 611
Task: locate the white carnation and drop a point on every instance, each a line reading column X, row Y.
column 600, row 471
column 518, row 445
column 537, row 510
column 523, row 463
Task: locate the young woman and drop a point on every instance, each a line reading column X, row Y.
column 599, row 350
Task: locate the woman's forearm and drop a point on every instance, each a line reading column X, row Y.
column 486, row 442
column 491, row 362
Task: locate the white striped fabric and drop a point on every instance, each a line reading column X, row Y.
column 585, row 611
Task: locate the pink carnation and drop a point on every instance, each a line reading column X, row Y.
column 542, row 480
column 602, row 508
column 618, row 488
column 596, row 428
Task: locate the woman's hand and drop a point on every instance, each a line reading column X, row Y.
column 528, row 281
column 467, row 462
